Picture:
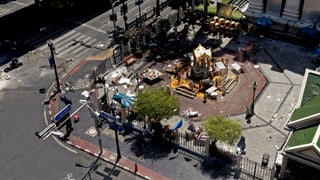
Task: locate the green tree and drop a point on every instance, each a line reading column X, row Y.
column 157, row 103
column 144, row 33
column 135, row 35
column 222, row 129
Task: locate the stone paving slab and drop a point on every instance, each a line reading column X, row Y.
column 271, row 100
column 263, row 139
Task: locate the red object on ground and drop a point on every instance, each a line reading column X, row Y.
column 76, row 118
column 130, row 59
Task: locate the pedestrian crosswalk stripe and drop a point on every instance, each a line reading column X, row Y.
column 61, row 39
column 64, row 36
column 73, row 49
column 84, row 52
column 67, row 46
column 71, row 43
column 96, row 43
column 66, row 42
column 4, row 11
column 22, row 3
column 85, row 41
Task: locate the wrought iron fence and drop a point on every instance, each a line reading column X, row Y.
column 253, row 170
column 248, row 169
column 190, row 142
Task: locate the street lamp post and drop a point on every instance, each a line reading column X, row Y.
column 254, row 87
column 53, row 62
column 251, row 108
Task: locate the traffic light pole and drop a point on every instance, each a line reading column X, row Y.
column 114, row 21
column 125, row 9
column 112, row 13
column 139, row 2
column 140, row 22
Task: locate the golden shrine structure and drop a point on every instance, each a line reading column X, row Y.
column 200, row 75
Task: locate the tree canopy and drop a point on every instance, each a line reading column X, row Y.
column 163, row 26
column 157, row 103
column 222, row 129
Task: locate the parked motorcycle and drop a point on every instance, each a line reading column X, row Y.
column 13, row 65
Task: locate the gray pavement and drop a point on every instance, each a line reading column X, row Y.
column 283, row 66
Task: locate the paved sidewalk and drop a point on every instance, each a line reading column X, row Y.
column 111, row 157
column 283, row 65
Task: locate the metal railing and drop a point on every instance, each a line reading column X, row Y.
column 148, row 16
column 253, row 170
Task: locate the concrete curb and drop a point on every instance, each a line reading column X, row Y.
column 106, row 157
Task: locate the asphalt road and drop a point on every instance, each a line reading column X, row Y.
column 23, row 155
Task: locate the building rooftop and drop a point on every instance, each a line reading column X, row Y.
column 304, row 142
column 307, row 111
column 302, row 136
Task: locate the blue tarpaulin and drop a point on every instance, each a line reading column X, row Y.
column 178, row 125
column 308, row 31
column 264, row 21
column 124, row 100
